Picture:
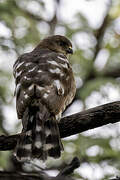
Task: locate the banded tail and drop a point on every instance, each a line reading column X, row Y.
column 41, row 137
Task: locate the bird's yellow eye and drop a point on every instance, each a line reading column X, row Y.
column 70, row 50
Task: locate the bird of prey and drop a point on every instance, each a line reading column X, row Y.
column 45, row 85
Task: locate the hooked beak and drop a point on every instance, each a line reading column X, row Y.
column 69, row 50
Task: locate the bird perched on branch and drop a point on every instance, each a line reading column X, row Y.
column 45, row 85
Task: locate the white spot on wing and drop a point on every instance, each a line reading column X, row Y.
column 39, row 71
column 31, row 119
column 57, row 71
column 27, row 146
column 44, row 55
column 15, row 65
column 40, row 88
column 58, row 116
column 64, row 65
column 59, row 86
column 22, row 102
column 67, row 78
column 18, row 73
column 17, row 88
column 23, row 159
column 38, row 144
column 19, row 64
column 45, row 95
column 27, row 64
column 28, row 133
column 62, row 74
column 53, row 62
column 47, row 132
column 31, row 87
column 32, row 69
column 26, row 96
column 48, row 146
column 25, row 77
column 48, row 91
column 63, row 59
column 38, row 128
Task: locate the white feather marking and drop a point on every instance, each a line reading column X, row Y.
column 23, row 159
column 64, row 65
column 26, row 96
column 47, row 132
column 27, row 146
column 62, row 74
column 31, row 87
column 38, row 144
column 48, row 146
column 22, row 102
column 59, row 86
column 19, row 64
column 63, row 59
column 40, row 88
column 58, row 116
column 25, row 77
column 39, row 71
column 45, row 95
column 44, row 55
column 67, row 78
column 14, row 67
column 53, row 62
column 57, row 71
column 18, row 73
column 27, row 64
column 38, row 128
column 17, row 88
column 28, row 133
column 31, row 119
column 32, row 69
column 48, row 91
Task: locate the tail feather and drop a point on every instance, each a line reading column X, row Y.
column 38, row 137
column 23, row 146
column 42, row 140
column 53, row 142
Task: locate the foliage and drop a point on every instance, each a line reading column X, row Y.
column 96, row 65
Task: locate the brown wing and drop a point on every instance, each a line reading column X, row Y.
column 45, row 76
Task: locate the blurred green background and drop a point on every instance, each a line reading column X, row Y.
column 93, row 26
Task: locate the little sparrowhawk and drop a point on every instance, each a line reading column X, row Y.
column 45, row 85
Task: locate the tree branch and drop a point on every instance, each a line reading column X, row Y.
column 89, row 119
column 76, row 123
column 70, row 168
column 100, row 34
column 112, row 73
column 117, row 178
column 101, row 31
column 42, row 175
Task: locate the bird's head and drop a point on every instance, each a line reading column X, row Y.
column 58, row 44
